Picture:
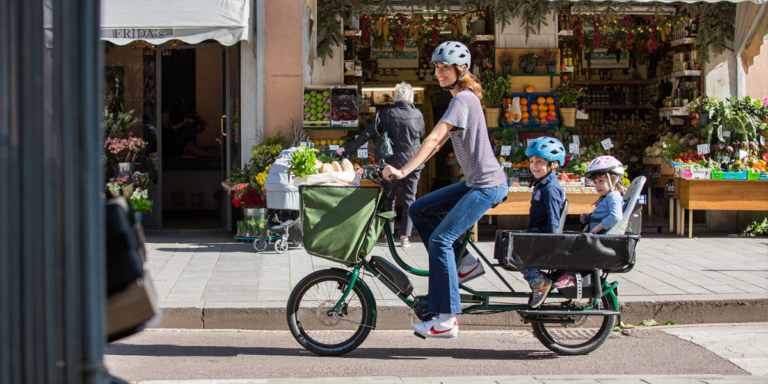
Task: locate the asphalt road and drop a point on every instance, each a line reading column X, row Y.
column 230, row 354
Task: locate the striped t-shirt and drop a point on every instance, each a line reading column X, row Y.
column 470, row 141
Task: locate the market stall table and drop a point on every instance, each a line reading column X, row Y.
column 519, row 203
column 718, row 195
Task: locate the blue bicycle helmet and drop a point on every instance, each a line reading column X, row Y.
column 547, row 147
column 453, row 52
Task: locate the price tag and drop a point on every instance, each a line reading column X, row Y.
column 361, row 153
column 762, row 141
column 726, row 133
column 333, row 147
column 703, row 149
column 304, row 144
column 607, row 144
column 693, row 142
column 506, row 150
column 506, row 164
column 576, row 139
column 573, row 148
column 743, row 153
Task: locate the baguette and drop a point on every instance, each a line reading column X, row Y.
column 327, row 168
column 336, row 166
column 347, row 166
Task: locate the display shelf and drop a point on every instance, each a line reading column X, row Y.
column 692, row 73
column 614, row 82
column 391, row 84
column 481, row 38
column 331, row 127
column 669, row 112
column 617, row 107
column 688, row 40
column 527, row 129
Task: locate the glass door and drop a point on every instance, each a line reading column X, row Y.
column 230, row 129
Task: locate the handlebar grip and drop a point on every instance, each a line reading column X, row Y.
column 392, row 177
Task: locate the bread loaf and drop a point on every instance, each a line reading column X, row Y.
column 347, row 166
column 327, row 168
column 336, row 166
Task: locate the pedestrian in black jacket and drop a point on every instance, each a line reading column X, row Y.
column 404, row 124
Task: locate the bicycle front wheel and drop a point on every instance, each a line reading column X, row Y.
column 316, row 327
column 585, row 335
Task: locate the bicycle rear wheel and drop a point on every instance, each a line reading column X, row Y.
column 318, row 329
column 580, row 338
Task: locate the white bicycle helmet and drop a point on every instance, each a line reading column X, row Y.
column 604, row 164
column 453, row 52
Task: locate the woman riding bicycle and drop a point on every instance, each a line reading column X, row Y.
column 463, row 203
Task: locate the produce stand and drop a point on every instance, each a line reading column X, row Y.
column 519, row 203
column 718, row 195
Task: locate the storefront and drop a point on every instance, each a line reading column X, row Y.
column 636, row 72
column 178, row 69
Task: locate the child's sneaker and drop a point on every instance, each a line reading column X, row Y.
column 565, row 281
column 539, row 291
column 435, row 329
column 469, row 272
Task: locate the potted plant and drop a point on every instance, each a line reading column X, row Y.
column 140, row 203
column 529, row 61
column 506, row 59
column 702, row 108
column 494, row 88
column 549, row 56
column 567, row 96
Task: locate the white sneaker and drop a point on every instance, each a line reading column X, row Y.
column 435, row 329
column 469, row 272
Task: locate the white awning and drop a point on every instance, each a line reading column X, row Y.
column 191, row 21
column 751, row 26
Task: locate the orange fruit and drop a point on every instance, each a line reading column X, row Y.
column 529, row 89
column 541, row 100
column 524, row 101
column 534, row 107
column 542, row 115
column 524, row 108
column 551, row 108
column 550, row 100
column 526, row 115
column 507, row 115
column 525, row 120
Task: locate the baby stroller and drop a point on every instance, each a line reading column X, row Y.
column 282, row 208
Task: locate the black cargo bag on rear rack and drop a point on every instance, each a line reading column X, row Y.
column 518, row 250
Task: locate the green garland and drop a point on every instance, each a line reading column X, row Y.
column 716, row 20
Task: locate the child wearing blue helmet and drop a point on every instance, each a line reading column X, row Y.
column 546, row 154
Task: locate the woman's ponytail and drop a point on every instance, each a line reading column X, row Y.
column 469, row 82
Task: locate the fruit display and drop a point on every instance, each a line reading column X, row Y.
column 343, row 108
column 317, row 106
column 536, row 110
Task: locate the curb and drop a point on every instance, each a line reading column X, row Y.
column 401, row 317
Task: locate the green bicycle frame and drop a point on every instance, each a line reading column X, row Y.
column 480, row 300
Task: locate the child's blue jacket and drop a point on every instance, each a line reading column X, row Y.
column 548, row 197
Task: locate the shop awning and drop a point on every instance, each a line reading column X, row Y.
column 191, row 21
column 751, row 27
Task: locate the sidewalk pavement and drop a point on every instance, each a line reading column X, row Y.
column 212, row 281
column 538, row 379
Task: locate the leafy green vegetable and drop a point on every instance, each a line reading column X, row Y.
column 302, row 162
column 757, row 229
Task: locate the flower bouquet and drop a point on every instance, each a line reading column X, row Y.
column 140, row 201
column 127, row 150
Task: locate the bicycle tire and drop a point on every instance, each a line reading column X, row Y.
column 331, row 286
column 556, row 336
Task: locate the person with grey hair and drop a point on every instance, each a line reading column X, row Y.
column 404, row 124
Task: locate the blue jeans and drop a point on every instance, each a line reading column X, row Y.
column 464, row 207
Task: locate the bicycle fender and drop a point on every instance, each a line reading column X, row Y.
column 367, row 292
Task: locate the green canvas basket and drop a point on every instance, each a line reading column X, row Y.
column 336, row 221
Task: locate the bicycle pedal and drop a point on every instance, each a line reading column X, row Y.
column 420, row 335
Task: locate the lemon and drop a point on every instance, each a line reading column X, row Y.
column 335, row 142
column 356, row 165
column 341, row 142
column 323, row 142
